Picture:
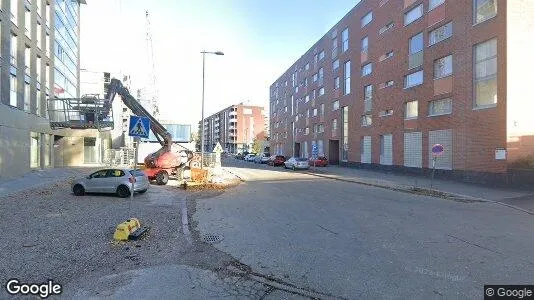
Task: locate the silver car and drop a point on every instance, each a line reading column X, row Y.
column 297, row 163
column 113, row 181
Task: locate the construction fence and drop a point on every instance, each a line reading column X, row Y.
column 125, row 157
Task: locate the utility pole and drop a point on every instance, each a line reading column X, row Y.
column 154, row 102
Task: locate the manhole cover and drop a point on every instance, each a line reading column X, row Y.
column 212, row 238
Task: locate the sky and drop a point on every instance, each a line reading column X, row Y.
column 260, row 39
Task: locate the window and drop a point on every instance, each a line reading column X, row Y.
column 365, row 44
column 321, row 91
column 443, row 67
column 385, row 113
column 439, row 34
column 307, row 131
column 345, row 121
column 413, row 79
column 416, row 43
column 26, row 96
column 321, row 73
column 285, row 109
column 334, row 126
column 38, row 35
column 13, row 90
column 39, row 7
column 315, row 112
column 334, row 47
column 321, row 55
column 414, row 14
column 14, row 11
column 367, row 19
column 345, row 40
column 387, row 27
column 367, row 120
column 27, row 58
column 315, row 77
column 307, row 98
column 440, row 107
column 389, row 83
column 320, row 128
column 336, row 83
column 367, row 69
column 368, row 93
column 411, row 110
column 335, row 64
column 47, row 45
column 307, row 66
column 35, row 150
column 47, row 16
column 316, row 58
column 484, row 10
column 305, row 82
column 434, row 3
column 347, row 78
column 386, row 56
column 28, row 23
column 321, row 110
column 14, row 50
column 308, row 113
column 335, row 105
column 486, row 73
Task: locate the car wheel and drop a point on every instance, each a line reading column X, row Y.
column 123, row 191
column 162, row 178
column 142, row 191
column 78, row 190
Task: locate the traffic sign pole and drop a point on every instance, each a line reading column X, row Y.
column 437, row 150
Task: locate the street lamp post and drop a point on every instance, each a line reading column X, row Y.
column 203, row 84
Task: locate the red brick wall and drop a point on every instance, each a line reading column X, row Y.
column 476, row 133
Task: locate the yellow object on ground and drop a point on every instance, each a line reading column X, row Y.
column 124, row 229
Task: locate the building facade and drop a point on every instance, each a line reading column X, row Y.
column 40, row 60
column 235, row 127
column 393, row 78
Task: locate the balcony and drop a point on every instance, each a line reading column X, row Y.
column 232, row 127
column 232, row 113
column 231, row 134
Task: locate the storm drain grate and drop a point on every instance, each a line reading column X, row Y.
column 212, row 238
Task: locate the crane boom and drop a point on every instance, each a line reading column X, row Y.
column 161, row 133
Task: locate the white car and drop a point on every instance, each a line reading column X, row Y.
column 297, row 163
column 250, row 157
column 114, row 181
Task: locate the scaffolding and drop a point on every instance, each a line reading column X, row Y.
column 87, row 112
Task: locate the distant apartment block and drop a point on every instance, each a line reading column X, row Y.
column 235, row 127
column 394, row 77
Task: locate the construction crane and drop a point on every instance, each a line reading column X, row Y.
column 152, row 73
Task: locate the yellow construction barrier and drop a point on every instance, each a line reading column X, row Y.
column 124, row 229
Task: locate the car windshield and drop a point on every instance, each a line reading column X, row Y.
column 301, row 159
column 267, row 154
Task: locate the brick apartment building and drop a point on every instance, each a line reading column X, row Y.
column 235, row 127
column 395, row 77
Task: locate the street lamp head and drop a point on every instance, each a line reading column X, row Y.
column 219, row 53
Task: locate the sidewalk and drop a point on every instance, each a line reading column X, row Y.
column 42, row 178
column 405, row 182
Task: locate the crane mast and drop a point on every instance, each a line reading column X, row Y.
column 154, row 102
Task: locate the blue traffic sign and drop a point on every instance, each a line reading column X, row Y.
column 315, row 149
column 139, row 127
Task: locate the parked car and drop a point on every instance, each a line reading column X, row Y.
column 257, row 159
column 276, row 160
column 250, row 157
column 320, row 161
column 113, row 181
column 297, row 163
column 263, row 158
column 239, row 156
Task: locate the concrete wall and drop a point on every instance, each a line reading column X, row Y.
column 520, row 48
column 15, row 134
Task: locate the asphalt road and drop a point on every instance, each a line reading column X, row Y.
column 352, row 241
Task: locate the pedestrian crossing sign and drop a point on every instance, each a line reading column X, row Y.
column 218, row 148
column 139, row 127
